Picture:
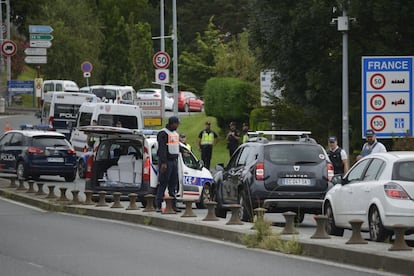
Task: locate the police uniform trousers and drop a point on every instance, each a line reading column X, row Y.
column 167, row 179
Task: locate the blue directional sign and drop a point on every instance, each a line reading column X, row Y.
column 20, row 87
column 42, row 29
column 387, row 95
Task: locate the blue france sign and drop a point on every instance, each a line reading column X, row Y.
column 387, row 95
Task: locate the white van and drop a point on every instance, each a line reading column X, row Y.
column 105, row 114
column 114, row 93
column 60, row 109
column 59, row 85
column 126, row 161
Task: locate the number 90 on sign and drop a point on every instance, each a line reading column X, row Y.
column 161, row 60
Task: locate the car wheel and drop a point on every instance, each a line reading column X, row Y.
column 205, row 196
column 246, row 210
column 20, row 171
column 70, row 177
column 330, row 226
column 377, row 231
column 186, row 108
column 81, row 169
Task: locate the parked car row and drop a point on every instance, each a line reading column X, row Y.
column 297, row 176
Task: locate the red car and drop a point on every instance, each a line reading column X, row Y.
column 188, row 101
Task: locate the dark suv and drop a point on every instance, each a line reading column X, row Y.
column 277, row 175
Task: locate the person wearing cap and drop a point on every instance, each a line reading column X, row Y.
column 337, row 156
column 183, row 139
column 233, row 138
column 371, row 145
column 206, row 140
column 168, row 150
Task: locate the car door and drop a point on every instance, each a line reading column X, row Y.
column 344, row 197
column 232, row 175
column 7, row 160
column 189, row 174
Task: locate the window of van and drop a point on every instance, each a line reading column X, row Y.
column 130, row 122
column 48, row 87
column 85, row 119
column 109, row 94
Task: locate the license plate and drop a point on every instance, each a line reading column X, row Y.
column 296, row 181
column 55, row 159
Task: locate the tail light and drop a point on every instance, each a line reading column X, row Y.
column 51, row 122
column 330, row 169
column 89, row 166
column 32, row 150
column 393, row 190
column 260, row 171
column 146, row 172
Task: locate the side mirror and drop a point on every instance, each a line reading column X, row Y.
column 337, row 179
column 200, row 165
column 220, row 167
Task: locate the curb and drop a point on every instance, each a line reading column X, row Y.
column 374, row 256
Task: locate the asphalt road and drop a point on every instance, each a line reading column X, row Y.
column 36, row 242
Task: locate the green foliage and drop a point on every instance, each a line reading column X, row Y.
column 264, row 238
column 229, row 99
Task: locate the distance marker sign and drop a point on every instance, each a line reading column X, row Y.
column 161, row 60
column 387, row 95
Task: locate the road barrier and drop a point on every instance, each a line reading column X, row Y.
column 75, row 197
column 12, row 182
column 31, row 189
column 117, row 200
column 63, row 197
column 235, row 218
column 101, row 202
column 356, row 237
column 290, row 223
column 169, row 201
column 149, row 207
column 21, row 186
column 320, row 232
column 40, row 191
column 211, row 211
column 132, row 202
column 88, row 195
column 51, row 194
column 399, row 242
column 188, row 213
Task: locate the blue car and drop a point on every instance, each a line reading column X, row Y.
column 32, row 153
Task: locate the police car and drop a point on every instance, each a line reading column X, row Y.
column 30, row 153
column 126, row 161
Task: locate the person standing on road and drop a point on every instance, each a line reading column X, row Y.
column 372, row 145
column 206, row 139
column 245, row 135
column 168, row 150
column 337, row 156
column 233, row 138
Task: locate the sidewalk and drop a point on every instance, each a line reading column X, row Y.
column 372, row 255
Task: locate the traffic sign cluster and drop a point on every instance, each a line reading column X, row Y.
column 40, row 40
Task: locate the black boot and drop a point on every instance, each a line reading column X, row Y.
column 175, row 208
column 158, row 207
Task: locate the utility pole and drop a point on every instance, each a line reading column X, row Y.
column 175, row 58
column 343, row 26
column 162, row 33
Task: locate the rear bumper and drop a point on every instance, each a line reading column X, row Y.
column 309, row 205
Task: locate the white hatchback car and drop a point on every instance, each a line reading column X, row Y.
column 155, row 93
column 379, row 190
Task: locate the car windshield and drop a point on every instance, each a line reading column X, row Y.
column 294, row 154
column 403, row 171
column 43, row 142
column 105, row 93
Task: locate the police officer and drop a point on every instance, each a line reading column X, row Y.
column 168, row 150
column 337, row 156
column 206, row 139
column 233, row 138
column 245, row 135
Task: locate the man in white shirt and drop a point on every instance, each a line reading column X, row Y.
column 372, row 145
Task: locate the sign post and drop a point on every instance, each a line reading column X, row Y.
column 387, row 96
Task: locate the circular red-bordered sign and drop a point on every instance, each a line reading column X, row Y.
column 377, row 81
column 161, row 60
column 378, row 123
column 377, row 102
column 8, row 48
column 86, row 67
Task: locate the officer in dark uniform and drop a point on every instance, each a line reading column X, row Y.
column 168, row 150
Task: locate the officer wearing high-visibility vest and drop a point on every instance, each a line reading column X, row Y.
column 206, row 139
column 168, row 150
column 245, row 135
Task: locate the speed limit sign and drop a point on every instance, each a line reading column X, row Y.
column 161, row 60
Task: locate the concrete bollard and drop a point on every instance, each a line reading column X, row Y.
column 211, row 213
column 88, row 195
column 399, row 242
column 75, row 197
column 259, row 212
column 290, row 223
column 320, row 232
column 169, row 205
column 21, row 186
column 132, row 202
column 51, row 193
column 188, row 209
column 63, row 197
column 235, row 211
column 40, row 191
column 117, row 200
column 31, row 189
column 12, row 182
column 149, row 206
column 356, row 237
column 101, row 203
